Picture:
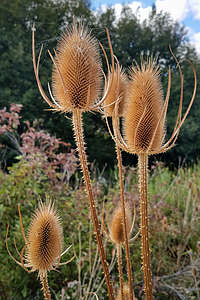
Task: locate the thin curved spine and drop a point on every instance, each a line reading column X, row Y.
column 78, row 130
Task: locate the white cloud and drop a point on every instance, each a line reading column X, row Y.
column 118, row 8
column 136, row 7
column 195, row 40
column 103, row 8
column 177, row 9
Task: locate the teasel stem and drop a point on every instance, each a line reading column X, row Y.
column 128, row 260
column 78, row 130
column 45, row 286
column 119, row 262
column 143, row 186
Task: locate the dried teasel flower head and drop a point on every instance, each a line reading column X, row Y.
column 44, row 240
column 77, row 71
column 126, row 293
column 116, row 225
column 43, row 244
column 145, row 111
column 116, row 92
column 144, row 108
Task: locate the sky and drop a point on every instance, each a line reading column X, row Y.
column 187, row 12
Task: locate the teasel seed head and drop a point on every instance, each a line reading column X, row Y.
column 44, row 241
column 144, row 130
column 116, row 225
column 77, row 72
column 126, row 293
column 116, row 92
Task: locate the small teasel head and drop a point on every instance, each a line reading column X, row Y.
column 126, row 293
column 143, row 127
column 116, row 232
column 116, row 92
column 43, row 244
column 44, row 240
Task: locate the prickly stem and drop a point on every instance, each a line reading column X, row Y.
column 143, row 185
column 128, row 260
column 45, row 286
column 78, row 130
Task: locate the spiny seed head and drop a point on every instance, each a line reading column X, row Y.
column 77, row 73
column 44, row 239
column 116, row 225
column 116, row 91
column 126, row 293
column 143, row 125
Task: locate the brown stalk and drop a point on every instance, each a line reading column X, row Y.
column 143, row 134
column 117, row 92
column 128, row 260
column 78, row 130
column 76, row 85
column 45, row 286
column 143, row 186
column 119, row 261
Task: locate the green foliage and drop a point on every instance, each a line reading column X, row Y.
column 174, row 228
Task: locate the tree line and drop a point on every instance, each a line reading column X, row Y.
column 130, row 38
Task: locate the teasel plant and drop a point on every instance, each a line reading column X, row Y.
column 116, row 97
column 126, row 293
column 144, row 129
column 113, row 229
column 117, row 93
column 43, row 245
column 76, row 86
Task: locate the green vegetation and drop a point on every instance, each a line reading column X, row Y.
column 174, row 201
column 174, row 234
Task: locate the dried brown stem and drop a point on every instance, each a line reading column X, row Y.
column 45, row 286
column 128, row 261
column 119, row 262
column 78, row 130
column 143, row 185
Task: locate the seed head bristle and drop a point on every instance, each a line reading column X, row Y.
column 116, row 225
column 44, row 241
column 77, row 72
column 143, row 127
column 116, row 91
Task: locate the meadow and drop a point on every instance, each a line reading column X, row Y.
column 174, row 203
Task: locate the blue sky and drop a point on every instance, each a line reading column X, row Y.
column 186, row 12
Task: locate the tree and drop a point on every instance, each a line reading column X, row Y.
column 130, row 37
